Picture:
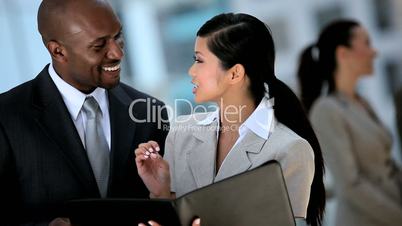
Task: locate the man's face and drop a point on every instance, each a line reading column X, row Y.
column 94, row 48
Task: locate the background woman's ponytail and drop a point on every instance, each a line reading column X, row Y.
column 309, row 76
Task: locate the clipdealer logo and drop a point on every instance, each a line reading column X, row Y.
column 157, row 113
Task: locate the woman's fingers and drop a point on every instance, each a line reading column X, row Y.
column 139, row 160
column 146, row 151
column 142, row 150
column 150, row 152
column 60, row 222
column 197, row 222
column 151, row 146
column 140, row 156
column 153, row 223
column 154, row 145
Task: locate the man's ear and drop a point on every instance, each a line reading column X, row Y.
column 57, row 51
column 237, row 73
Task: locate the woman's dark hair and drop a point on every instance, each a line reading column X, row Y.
column 243, row 39
column 318, row 61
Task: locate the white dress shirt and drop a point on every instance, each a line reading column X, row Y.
column 74, row 99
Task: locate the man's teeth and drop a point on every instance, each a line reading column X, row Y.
column 114, row 68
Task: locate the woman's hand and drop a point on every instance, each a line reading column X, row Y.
column 196, row 222
column 153, row 169
column 60, row 222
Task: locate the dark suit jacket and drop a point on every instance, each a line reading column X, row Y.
column 398, row 110
column 42, row 160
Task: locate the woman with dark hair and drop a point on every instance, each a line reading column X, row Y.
column 258, row 119
column 355, row 145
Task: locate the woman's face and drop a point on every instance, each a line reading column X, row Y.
column 361, row 53
column 208, row 76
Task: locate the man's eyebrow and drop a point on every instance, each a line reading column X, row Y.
column 105, row 37
column 98, row 40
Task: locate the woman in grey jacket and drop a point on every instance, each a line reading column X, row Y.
column 234, row 67
column 355, row 145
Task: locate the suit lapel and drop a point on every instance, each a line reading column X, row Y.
column 368, row 119
column 52, row 115
column 251, row 152
column 237, row 160
column 202, row 156
column 122, row 129
column 377, row 127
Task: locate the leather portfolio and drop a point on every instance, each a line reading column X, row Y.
column 255, row 197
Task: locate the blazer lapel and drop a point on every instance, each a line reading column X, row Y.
column 201, row 157
column 237, row 160
column 371, row 122
column 52, row 115
column 122, row 130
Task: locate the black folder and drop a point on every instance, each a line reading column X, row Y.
column 256, row 197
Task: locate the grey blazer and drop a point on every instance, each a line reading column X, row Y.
column 356, row 149
column 398, row 114
column 191, row 153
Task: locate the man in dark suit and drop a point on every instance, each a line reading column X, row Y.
column 43, row 127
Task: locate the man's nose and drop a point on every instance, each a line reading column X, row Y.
column 115, row 51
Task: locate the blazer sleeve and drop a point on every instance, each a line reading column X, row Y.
column 162, row 130
column 336, row 144
column 398, row 115
column 169, row 157
column 297, row 163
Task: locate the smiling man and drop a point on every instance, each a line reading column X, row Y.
column 85, row 41
column 67, row 134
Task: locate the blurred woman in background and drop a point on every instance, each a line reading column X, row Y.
column 355, row 145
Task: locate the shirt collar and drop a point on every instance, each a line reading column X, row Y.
column 73, row 98
column 260, row 121
column 211, row 117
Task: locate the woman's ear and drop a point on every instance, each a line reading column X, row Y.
column 57, row 51
column 237, row 73
column 341, row 53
